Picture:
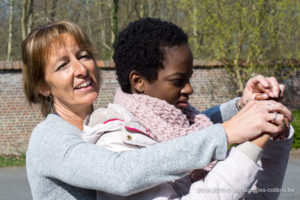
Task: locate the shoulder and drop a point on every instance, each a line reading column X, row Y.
column 50, row 133
column 49, row 121
column 53, row 125
column 47, row 140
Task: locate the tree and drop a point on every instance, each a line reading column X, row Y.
column 27, row 17
column 53, row 10
column 115, row 25
column 10, row 29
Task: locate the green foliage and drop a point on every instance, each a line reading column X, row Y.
column 245, row 33
column 296, row 125
column 6, row 161
column 248, row 35
column 251, row 30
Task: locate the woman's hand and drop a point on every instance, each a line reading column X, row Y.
column 262, row 140
column 261, row 88
column 255, row 118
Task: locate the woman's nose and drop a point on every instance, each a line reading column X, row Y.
column 187, row 89
column 79, row 68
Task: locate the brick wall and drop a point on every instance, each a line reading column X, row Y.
column 212, row 86
column 16, row 118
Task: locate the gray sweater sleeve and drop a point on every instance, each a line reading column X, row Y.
column 228, row 109
column 57, row 151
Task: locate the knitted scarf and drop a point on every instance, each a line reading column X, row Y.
column 162, row 119
column 165, row 121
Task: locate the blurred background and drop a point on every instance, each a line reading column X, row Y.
column 243, row 33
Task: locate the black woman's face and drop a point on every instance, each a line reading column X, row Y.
column 173, row 81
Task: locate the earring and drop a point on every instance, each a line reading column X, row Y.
column 49, row 100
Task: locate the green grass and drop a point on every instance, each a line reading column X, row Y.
column 7, row 161
column 296, row 125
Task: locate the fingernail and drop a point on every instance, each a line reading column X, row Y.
column 265, row 96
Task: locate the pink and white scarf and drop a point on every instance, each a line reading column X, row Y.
column 165, row 121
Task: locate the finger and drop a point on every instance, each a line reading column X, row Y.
column 274, row 86
column 261, row 96
column 271, row 128
column 262, row 80
column 258, row 79
column 287, row 122
column 261, row 89
column 273, row 106
column 284, row 133
column 276, row 118
column 281, row 90
column 280, row 108
column 287, row 129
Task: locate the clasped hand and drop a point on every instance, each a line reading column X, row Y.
column 261, row 115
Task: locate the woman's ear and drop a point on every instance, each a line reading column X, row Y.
column 137, row 82
column 44, row 90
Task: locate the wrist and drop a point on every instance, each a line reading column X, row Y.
column 232, row 137
column 226, row 133
column 262, row 140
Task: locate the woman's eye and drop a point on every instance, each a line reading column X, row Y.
column 85, row 56
column 61, row 66
column 178, row 82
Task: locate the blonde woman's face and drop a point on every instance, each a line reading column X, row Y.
column 71, row 75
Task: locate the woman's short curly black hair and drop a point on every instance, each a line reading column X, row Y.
column 140, row 46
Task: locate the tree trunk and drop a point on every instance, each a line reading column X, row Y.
column 53, row 10
column 30, row 16
column 77, row 12
column 24, row 19
column 194, row 22
column 88, row 19
column 115, row 26
column 11, row 16
column 105, row 41
column 27, row 15
column 236, row 66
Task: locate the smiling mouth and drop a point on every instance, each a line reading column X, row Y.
column 84, row 84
